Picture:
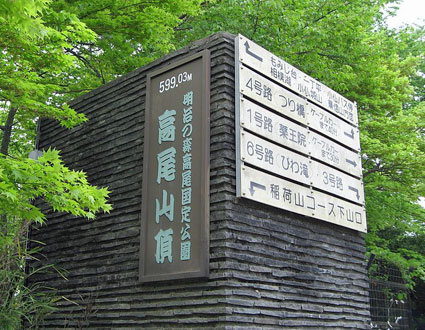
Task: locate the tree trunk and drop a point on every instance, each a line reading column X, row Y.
column 7, row 131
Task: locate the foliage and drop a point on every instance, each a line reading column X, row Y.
column 31, row 83
column 18, row 300
column 52, row 51
column 33, row 62
column 130, row 34
column 25, row 180
column 393, row 137
column 25, row 14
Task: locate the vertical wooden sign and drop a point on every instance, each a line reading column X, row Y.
column 175, row 202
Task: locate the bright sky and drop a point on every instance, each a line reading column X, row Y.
column 411, row 11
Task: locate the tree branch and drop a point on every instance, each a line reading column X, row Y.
column 372, row 170
column 113, row 12
column 75, row 90
column 86, row 63
column 323, row 16
column 303, row 52
column 254, row 29
column 389, row 170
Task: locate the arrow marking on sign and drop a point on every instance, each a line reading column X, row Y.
column 255, row 185
column 351, row 162
column 355, row 190
column 251, row 53
column 350, row 135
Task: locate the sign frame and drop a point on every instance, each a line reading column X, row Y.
column 202, row 263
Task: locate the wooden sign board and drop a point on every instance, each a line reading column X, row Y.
column 276, row 69
column 287, row 133
column 175, row 200
column 283, row 194
column 292, row 106
column 294, row 130
column 284, row 162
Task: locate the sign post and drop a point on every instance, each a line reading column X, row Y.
column 298, row 145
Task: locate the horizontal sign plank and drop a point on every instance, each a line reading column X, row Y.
column 284, row 73
column 299, row 138
column 294, row 107
column 272, row 95
column 333, row 127
column 280, row 193
column 275, row 159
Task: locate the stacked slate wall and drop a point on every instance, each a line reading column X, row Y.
column 269, row 269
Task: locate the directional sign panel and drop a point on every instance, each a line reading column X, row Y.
column 272, row 95
column 283, row 162
column 294, row 107
column 333, row 127
column 296, row 137
column 268, row 189
column 296, row 134
column 278, row 70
